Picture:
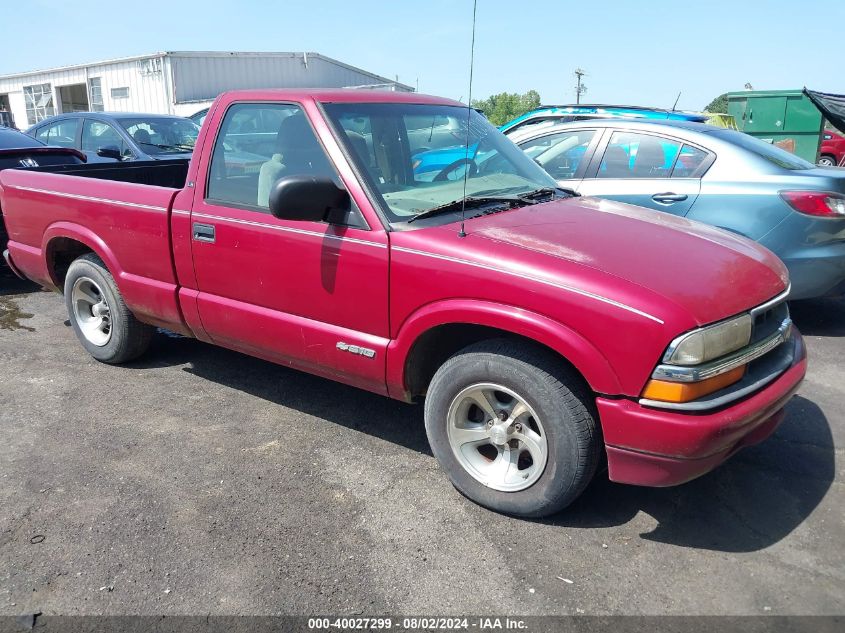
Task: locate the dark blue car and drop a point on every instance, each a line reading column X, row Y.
column 119, row 136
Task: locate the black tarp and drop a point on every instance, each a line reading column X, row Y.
column 831, row 106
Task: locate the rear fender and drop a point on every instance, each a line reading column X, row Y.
column 152, row 301
column 81, row 234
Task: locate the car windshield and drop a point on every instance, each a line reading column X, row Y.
column 162, row 135
column 416, row 157
column 771, row 153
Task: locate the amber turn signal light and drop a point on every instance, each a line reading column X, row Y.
column 666, row 391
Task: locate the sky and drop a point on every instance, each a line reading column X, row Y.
column 637, row 52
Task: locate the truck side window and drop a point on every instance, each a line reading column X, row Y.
column 259, row 143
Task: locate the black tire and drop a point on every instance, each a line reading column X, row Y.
column 128, row 337
column 558, row 395
column 827, row 161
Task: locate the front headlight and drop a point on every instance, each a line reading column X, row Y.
column 710, row 343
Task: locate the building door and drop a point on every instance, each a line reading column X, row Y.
column 73, row 98
column 6, row 117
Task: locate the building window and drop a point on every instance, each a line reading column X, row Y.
column 120, row 93
column 95, row 90
column 39, row 102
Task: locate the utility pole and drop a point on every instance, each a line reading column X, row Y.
column 580, row 88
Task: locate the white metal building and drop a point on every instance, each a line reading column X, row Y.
column 172, row 82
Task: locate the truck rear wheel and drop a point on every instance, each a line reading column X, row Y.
column 511, row 426
column 100, row 318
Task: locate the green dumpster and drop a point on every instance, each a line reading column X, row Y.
column 786, row 118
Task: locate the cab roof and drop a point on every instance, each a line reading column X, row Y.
column 337, row 95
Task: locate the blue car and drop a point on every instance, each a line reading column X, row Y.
column 119, row 136
column 448, row 161
column 578, row 112
column 714, row 175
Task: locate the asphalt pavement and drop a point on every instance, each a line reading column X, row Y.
column 201, row 481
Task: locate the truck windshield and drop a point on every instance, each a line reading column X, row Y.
column 416, row 156
column 162, row 135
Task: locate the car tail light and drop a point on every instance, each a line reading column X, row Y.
column 826, row 204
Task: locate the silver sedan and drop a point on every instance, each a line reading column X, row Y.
column 713, row 175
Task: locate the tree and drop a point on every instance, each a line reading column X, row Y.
column 505, row 106
column 718, row 105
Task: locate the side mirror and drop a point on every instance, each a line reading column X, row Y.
column 307, row 198
column 110, row 151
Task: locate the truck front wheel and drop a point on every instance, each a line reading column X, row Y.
column 100, row 318
column 511, row 426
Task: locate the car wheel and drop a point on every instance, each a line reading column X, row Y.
column 102, row 322
column 512, row 427
column 827, row 161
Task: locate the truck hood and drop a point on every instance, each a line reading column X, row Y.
column 710, row 273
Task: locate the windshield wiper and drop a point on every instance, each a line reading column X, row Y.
column 469, row 202
column 547, row 191
column 159, row 146
column 516, row 200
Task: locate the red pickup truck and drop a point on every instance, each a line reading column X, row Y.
column 546, row 332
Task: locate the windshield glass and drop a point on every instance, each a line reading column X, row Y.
column 416, row 156
column 162, row 135
column 771, row 153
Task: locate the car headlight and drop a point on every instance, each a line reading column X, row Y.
column 710, row 343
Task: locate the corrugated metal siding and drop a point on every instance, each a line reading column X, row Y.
column 187, row 80
column 201, row 78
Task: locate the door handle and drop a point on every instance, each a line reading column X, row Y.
column 203, row 232
column 669, row 197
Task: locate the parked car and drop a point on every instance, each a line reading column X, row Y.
column 120, row 136
column 19, row 151
column 548, row 114
column 713, row 175
column 832, row 149
column 199, row 117
column 542, row 329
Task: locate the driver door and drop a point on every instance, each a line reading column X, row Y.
column 309, row 294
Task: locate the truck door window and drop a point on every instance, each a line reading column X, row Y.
column 258, row 144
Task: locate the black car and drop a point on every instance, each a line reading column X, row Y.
column 199, row 117
column 120, row 136
column 19, row 151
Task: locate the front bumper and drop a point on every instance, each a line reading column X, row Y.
column 651, row 447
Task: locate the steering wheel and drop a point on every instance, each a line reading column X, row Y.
column 443, row 174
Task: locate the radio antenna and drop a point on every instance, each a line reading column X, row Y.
column 462, row 233
column 675, row 105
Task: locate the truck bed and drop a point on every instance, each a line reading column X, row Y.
column 119, row 210
column 159, row 173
